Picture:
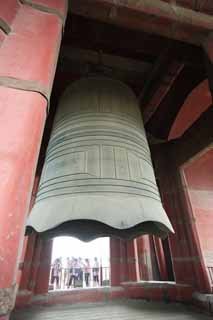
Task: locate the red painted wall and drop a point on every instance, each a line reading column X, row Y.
column 196, row 103
column 198, row 175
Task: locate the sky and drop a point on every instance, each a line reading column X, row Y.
column 71, row 247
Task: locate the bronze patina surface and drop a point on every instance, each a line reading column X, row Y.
column 98, row 178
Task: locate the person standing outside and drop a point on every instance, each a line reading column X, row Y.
column 95, row 271
column 67, row 272
column 75, row 271
column 72, row 273
column 60, row 272
column 80, row 272
column 87, row 272
column 56, row 270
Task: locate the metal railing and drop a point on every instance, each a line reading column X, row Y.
column 65, row 279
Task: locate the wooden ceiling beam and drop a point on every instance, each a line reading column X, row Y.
column 164, row 85
column 91, row 34
column 158, row 68
column 152, row 16
column 198, row 137
column 160, row 124
column 106, row 60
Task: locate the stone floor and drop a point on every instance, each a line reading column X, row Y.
column 119, row 310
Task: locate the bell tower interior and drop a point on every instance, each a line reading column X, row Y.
column 106, row 125
column 163, row 74
column 167, row 76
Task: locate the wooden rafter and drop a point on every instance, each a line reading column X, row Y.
column 165, row 83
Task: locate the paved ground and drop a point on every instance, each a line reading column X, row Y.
column 119, row 310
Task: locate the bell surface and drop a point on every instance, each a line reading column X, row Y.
column 98, row 178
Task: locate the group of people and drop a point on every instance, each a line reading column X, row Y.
column 75, row 273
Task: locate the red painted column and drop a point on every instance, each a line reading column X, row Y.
column 42, row 279
column 28, row 250
column 24, row 293
column 19, row 152
column 123, row 261
column 136, row 260
column 20, row 266
column 118, row 261
column 115, row 261
column 27, row 264
column 28, row 57
column 161, row 261
column 35, row 264
column 145, row 258
column 132, row 261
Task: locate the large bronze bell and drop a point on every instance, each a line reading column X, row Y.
column 98, row 178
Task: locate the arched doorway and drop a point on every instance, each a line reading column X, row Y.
column 78, row 264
